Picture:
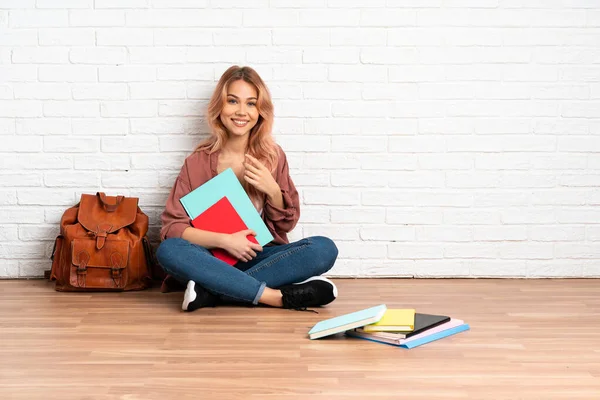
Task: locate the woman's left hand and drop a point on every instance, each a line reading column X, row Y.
column 259, row 176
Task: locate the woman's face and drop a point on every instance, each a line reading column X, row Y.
column 239, row 115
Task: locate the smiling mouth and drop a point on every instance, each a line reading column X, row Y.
column 238, row 122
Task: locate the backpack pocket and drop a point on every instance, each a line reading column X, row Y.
column 94, row 268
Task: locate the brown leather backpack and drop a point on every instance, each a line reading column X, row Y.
column 102, row 246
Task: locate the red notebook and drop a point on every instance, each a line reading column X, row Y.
column 221, row 217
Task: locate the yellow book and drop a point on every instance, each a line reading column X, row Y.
column 394, row 320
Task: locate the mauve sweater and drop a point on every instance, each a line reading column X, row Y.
column 201, row 166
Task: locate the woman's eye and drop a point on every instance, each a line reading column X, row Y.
column 252, row 104
column 231, row 101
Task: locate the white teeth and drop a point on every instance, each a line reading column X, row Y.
column 240, row 123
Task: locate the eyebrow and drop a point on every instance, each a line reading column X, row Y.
column 249, row 98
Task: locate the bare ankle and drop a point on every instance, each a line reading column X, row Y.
column 271, row 297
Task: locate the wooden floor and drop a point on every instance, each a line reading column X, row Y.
column 529, row 339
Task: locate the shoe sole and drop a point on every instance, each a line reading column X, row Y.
column 189, row 295
column 321, row 278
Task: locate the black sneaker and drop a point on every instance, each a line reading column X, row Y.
column 196, row 297
column 313, row 292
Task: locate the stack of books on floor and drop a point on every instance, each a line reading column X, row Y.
column 399, row 327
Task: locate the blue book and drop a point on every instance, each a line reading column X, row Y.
column 226, row 184
column 347, row 321
column 413, row 343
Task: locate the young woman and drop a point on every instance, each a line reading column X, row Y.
column 282, row 274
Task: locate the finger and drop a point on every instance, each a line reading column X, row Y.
column 251, row 175
column 255, row 162
column 249, row 232
column 251, row 253
column 256, row 246
column 251, row 181
column 251, row 167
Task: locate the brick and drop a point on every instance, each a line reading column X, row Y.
column 97, row 55
column 68, row 73
column 38, row 18
column 301, row 73
column 22, row 250
column 43, row 126
column 70, row 178
column 499, row 233
column 129, row 179
column 22, row 144
column 410, row 216
column 103, row 91
column 8, row 179
column 304, row 143
column 358, row 73
column 8, row 197
column 181, row 17
column 240, row 37
column 71, row 144
column 359, row 178
column 160, row 55
column 42, row 91
column 357, row 36
column 38, row 233
column 314, row 214
column 181, row 108
column 471, row 217
column 100, row 126
column 161, row 90
column 156, row 162
column 413, row 251
column 130, row 108
column 40, row 55
column 110, row 162
column 423, row 268
column 10, row 233
column 444, row 234
column 387, row 233
column 267, row 18
column 42, row 197
column 141, row 144
column 37, row 161
column 21, row 215
column 18, row 73
column 67, row 37
column 71, row 108
column 387, row 162
column 331, row 196
column 334, row 232
column 300, row 37
column 417, row 179
column 387, row 197
column 182, row 37
column 358, row 144
column 125, row 37
column 361, row 250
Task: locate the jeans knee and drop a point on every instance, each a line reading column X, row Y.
column 327, row 252
column 164, row 251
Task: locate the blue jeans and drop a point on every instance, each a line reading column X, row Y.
column 273, row 267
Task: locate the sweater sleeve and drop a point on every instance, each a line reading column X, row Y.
column 283, row 220
column 174, row 218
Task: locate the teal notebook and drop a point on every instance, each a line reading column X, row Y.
column 227, row 184
column 347, row 321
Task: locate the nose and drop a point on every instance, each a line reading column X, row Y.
column 241, row 109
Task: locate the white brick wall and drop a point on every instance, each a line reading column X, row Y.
column 428, row 138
